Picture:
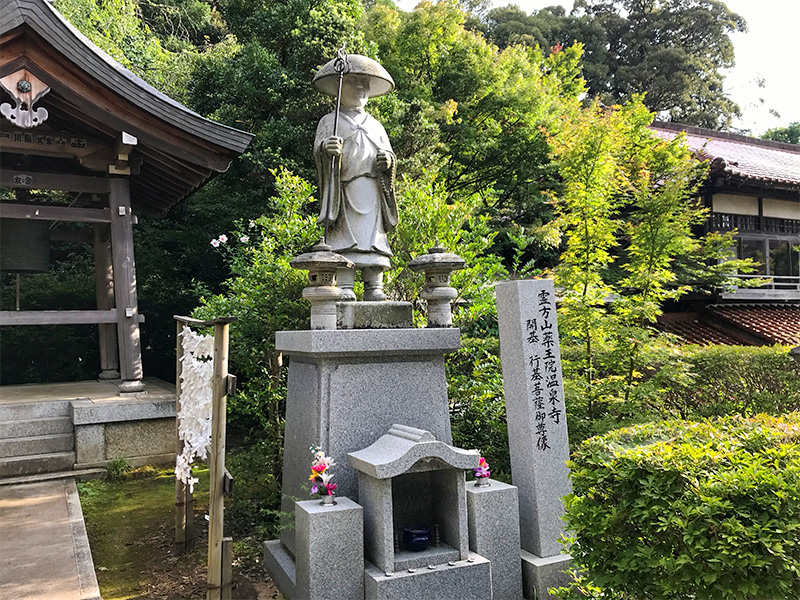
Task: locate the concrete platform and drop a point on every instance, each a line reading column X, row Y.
column 44, row 550
column 97, row 391
column 83, row 425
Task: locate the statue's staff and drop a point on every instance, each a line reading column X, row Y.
column 341, row 67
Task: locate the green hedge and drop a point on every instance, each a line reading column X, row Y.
column 682, row 510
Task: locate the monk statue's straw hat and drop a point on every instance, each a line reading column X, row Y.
column 380, row 82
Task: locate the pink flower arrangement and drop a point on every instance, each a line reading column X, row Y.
column 482, row 470
column 320, row 477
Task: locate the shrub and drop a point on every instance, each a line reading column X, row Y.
column 682, row 510
column 744, row 380
column 477, row 405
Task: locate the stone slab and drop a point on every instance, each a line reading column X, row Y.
column 130, row 439
column 541, row 574
column 43, row 524
column 535, row 409
column 90, row 443
column 37, row 444
column 280, row 566
column 374, row 315
column 35, row 426
column 368, row 342
column 432, row 555
column 494, row 534
column 464, row 580
column 329, row 555
column 85, row 412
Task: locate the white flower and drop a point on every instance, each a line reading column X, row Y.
column 223, row 238
column 215, row 243
column 244, row 239
column 326, row 477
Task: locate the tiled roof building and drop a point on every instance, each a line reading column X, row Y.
column 753, row 188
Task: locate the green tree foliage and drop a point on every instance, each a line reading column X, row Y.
column 479, row 112
column 674, row 50
column 689, row 511
column 789, row 134
column 627, row 212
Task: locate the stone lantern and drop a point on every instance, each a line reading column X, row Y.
column 437, row 265
column 321, row 264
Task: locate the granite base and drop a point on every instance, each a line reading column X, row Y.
column 463, row 580
column 541, row 574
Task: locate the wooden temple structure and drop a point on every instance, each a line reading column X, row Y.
column 74, row 120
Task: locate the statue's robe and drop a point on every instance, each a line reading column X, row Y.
column 362, row 202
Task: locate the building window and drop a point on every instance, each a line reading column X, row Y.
column 784, row 259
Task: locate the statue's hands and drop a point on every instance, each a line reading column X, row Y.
column 384, row 160
column 333, row 145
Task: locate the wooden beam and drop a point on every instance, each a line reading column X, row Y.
column 57, row 317
column 46, row 142
column 125, row 295
column 54, row 213
column 53, row 181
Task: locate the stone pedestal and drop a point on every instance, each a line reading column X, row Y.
column 463, row 580
column 329, row 551
column 494, row 534
column 346, row 389
column 541, row 574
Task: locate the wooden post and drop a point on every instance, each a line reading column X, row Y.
column 227, row 568
column 182, row 494
column 216, row 459
column 130, row 354
column 104, row 284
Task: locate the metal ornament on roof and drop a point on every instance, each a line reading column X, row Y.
column 26, row 89
column 380, row 82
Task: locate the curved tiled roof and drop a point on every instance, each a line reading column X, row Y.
column 739, row 156
column 776, row 324
column 696, row 332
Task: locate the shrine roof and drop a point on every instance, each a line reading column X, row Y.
column 92, row 95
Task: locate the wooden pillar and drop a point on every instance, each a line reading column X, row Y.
column 130, row 354
column 216, row 462
column 104, row 283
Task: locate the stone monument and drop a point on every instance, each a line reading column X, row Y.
column 537, row 426
column 369, row 389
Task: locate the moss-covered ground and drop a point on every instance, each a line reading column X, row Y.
column 130, row 521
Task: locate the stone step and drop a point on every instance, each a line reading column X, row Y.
column 79, row 474
column 37, row 444
column 41, row 463
column 17, row 428
column 33, row 410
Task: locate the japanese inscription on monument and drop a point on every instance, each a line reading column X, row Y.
column 536, row 413
column 542, row 356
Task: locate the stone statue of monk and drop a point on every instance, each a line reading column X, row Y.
column 362, row 207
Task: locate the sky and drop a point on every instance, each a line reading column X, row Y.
column 768, row 51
